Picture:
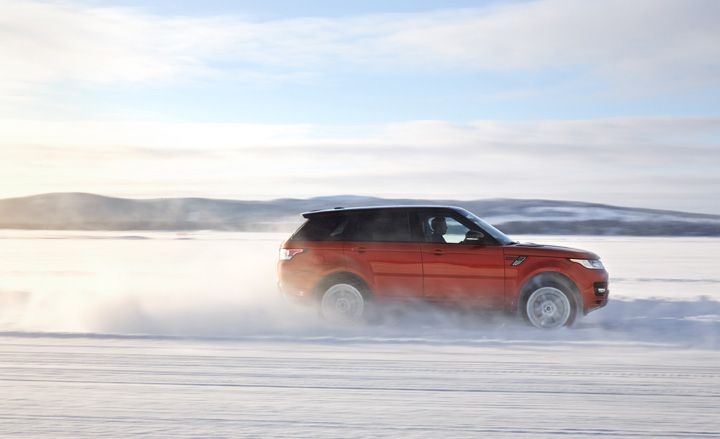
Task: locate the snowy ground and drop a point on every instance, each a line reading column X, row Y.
column 166, row 335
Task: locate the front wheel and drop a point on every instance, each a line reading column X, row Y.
column 342, row 303
column 549, row 307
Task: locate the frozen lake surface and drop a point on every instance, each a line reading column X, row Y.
column 183, row 335
column 56, row 386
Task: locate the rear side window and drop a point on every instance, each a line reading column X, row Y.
column 382, row 226
column 322, row 228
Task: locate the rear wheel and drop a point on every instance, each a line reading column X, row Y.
column 343, row 302
column 549, row 307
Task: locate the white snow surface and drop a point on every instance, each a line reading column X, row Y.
column 106, row 334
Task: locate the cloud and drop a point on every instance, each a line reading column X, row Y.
column 645, row 161
column 638, row 44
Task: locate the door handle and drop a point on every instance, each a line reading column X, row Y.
column 438, row 252
column 358, row 249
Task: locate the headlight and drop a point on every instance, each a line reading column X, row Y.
column 593, row 264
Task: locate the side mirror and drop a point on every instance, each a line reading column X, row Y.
column 474, row 236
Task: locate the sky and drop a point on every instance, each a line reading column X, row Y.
column 603, row 101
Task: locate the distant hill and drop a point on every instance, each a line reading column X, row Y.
column 81, row 211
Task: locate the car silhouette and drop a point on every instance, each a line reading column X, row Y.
column 343, row 258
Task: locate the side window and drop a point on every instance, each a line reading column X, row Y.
column 322, row 228
column 443, row 229
column 383, row 227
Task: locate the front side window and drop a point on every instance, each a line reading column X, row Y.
column 445, row 227
column 442, row 228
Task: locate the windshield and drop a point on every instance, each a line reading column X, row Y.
column 495, row 233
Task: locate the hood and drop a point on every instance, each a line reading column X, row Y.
column 532, row 249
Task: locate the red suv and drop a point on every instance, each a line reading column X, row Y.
column 342, row 258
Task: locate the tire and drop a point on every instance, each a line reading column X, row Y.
column 550, row 305
column 344, row 302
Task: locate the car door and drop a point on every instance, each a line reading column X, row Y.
column 458, row 270
column 381, row 250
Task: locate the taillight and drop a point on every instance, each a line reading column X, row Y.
column 287, row 253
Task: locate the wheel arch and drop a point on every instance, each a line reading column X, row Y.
column 340, row 276
column 544, row 278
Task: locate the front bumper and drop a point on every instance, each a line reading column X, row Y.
column 596, row 295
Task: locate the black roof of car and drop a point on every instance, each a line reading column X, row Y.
column 349, row 209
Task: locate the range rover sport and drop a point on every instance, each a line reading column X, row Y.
column 342, row 258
